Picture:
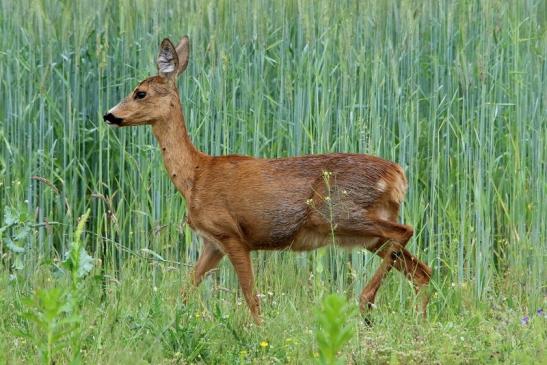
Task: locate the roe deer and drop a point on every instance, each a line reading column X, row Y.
column 238, row 204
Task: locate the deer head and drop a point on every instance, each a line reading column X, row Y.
column 150, row 102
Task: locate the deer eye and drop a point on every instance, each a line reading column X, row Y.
column 140, row 95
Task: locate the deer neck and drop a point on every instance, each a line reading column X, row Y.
column 180, row 157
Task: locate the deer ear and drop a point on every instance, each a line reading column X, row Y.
column 183, row 52
column 168, row 61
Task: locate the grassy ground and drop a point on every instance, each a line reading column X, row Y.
column 142, row 319
column 452, row 90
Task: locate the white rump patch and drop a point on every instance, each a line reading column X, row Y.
column 381, row 185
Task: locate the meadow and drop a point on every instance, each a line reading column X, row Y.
column 454, row 91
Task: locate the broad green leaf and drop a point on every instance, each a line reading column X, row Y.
column 11, row 216
column 332, row 332
column 86, row 263
column 13, row 247
column 22, row 233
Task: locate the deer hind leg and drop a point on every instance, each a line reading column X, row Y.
column 417, row 272
column 208, row 260
column 414, row 270
column 393, row 239
column 241, row 260
column 395, row 255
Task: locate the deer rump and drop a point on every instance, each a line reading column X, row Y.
column 298, row 203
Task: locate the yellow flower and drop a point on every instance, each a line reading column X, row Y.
column 264, row 344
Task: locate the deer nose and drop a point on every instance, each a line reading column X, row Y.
column 112, row 119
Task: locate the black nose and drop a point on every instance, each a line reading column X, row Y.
column 112, row 119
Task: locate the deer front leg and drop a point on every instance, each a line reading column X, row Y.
column 208, row 260
column 241, row 260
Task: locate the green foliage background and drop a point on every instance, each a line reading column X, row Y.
column 452, row 90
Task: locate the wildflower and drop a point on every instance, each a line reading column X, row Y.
column 264, row 344
column 524, row 320
column 540, row 312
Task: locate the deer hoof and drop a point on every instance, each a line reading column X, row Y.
column 258, row 320
column 368, row 320
column 367, row 302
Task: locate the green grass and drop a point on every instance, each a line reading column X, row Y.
column 452, row 90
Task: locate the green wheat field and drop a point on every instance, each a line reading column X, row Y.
column 454, row 91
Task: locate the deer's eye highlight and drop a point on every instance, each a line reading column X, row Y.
column 140, row 95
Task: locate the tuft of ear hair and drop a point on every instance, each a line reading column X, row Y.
column 168, row 60
column 173, row 61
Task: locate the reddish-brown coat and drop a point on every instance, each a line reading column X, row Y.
column 240, row 203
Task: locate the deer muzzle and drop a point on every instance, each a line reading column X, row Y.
column 112, row 119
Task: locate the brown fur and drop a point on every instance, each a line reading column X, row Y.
column 239, row 203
